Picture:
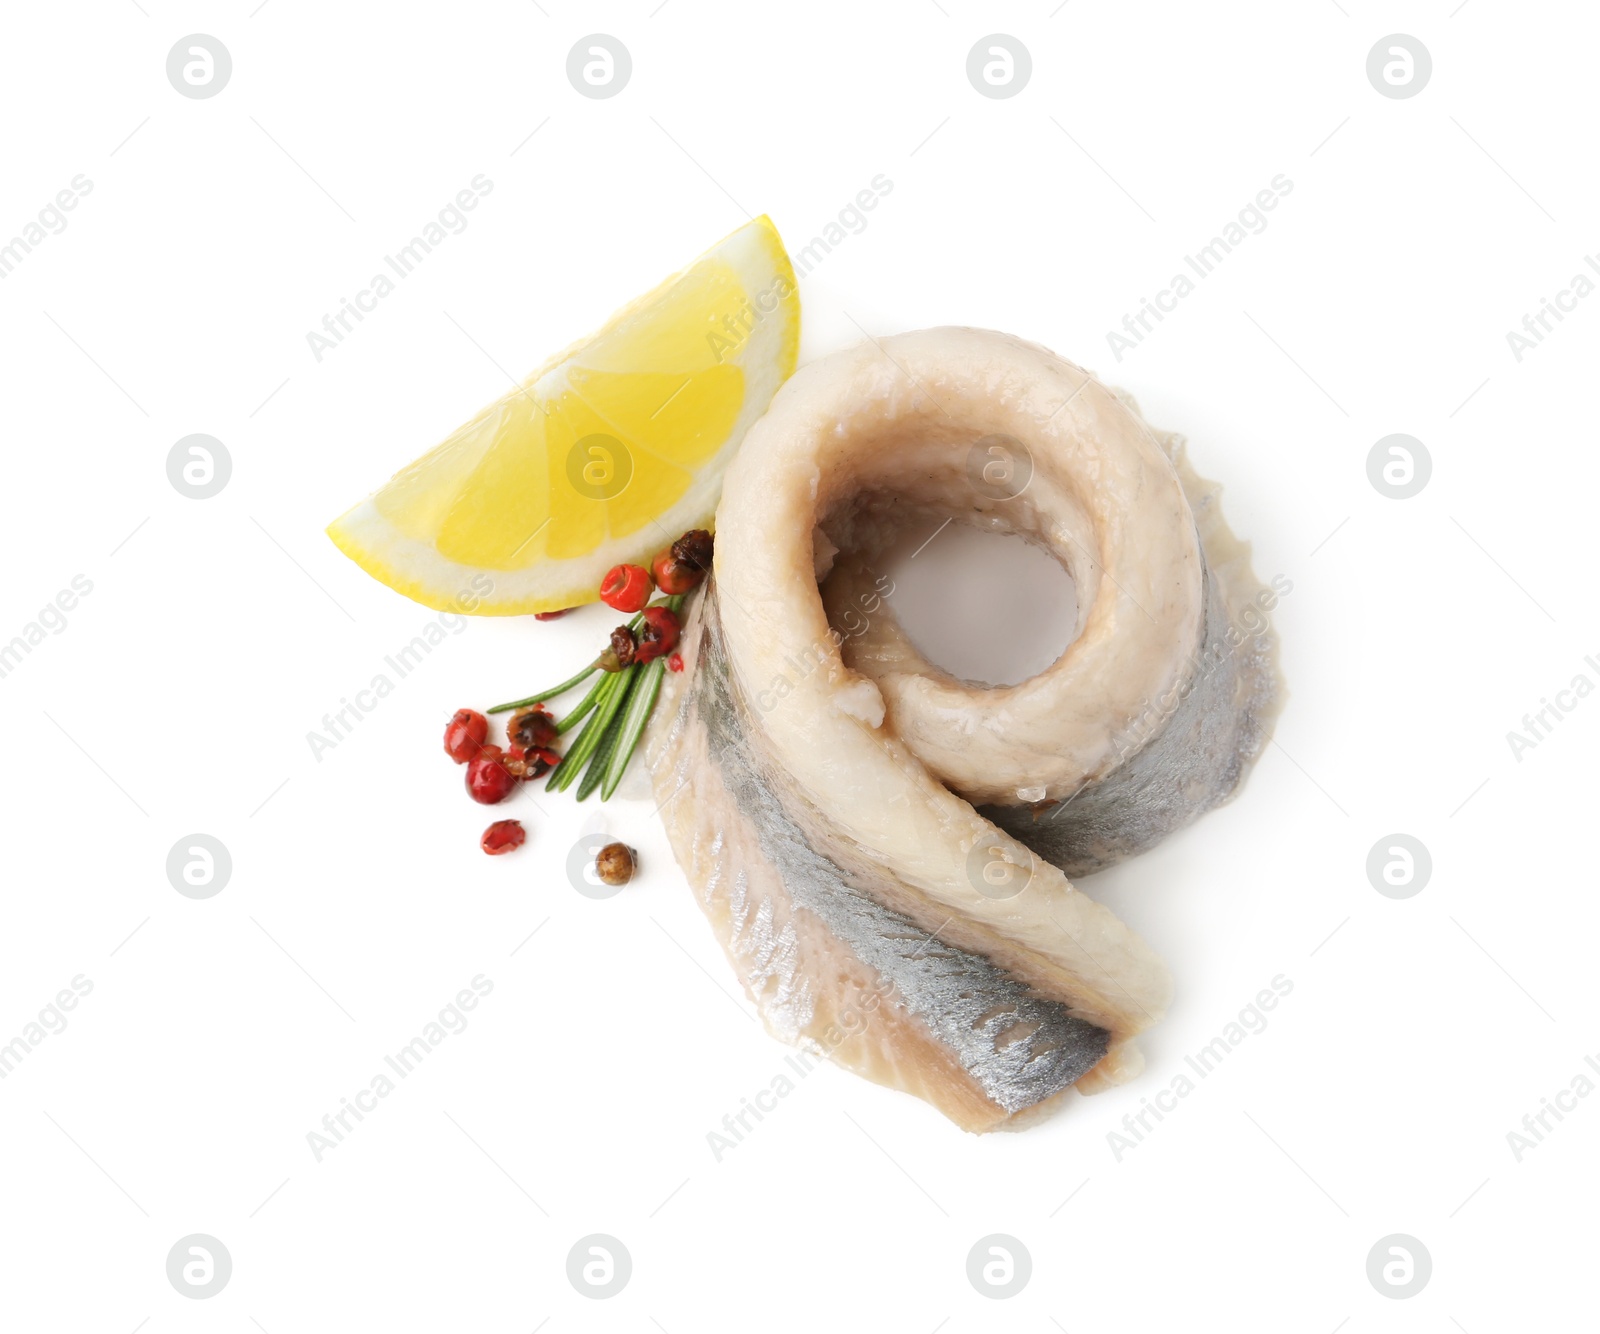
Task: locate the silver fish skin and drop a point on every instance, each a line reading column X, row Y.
column 1000, row 1048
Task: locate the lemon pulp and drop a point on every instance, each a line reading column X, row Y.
column 604, row 455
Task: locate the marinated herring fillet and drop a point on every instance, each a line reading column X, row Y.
column 880, row 846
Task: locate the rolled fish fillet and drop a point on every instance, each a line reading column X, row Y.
column 884, row 850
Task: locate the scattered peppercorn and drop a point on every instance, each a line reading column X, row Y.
column 488, row 779
column 695, row 549
column 531, row 762
column 502, row 837
column 672, row 576
column 658, row 634
column 682, row 566
column 625, row 587
column 464, row 734
column 622, row 652
column 532, row 729
column 615, row 863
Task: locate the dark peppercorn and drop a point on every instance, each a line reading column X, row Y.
column 615, row 863
column 694, row 549
column 531, row 763
column 623, row 648
column 532, row 729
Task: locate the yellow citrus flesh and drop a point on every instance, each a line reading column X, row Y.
column 604, row 455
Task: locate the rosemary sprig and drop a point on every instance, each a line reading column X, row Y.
column 613, row 714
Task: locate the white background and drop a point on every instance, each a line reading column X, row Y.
column 218, row 633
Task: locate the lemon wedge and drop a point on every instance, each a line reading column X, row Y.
column 605, row 454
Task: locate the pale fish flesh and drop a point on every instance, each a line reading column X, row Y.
column 882, row 849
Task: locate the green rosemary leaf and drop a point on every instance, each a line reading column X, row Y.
column 584, row 742
column 583, row 707
column 632, row 726
column 547, row 694
column 597, row 726
column 599, row 762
